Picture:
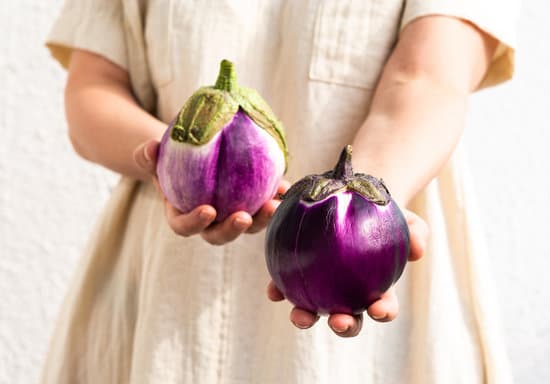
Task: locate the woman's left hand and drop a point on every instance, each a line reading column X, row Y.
column 383, row 310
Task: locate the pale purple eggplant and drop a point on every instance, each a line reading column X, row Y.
column 225, row 148
column 337, row 241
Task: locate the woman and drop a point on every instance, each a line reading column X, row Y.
column 154, row 301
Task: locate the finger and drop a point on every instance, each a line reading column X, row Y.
column 419, row 234
column 261, row 219
column 284, row 185
column 303, row 319
column 188, row 224
column 145, row 156
column 273, row 293
column 266, row 212
column 386, row 308
column 228, row 230
column 345, row 325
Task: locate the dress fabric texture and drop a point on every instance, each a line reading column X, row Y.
column 147, row 306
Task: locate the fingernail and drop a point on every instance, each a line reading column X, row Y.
column 204, row 214
column 146, row 154
column 301, row 326
column 378, row 317
column 340, row 329
column 240, row 223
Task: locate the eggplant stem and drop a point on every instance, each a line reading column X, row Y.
column 343, row 169
column 227, row 78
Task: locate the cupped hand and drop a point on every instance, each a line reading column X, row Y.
column 383, row 310
column 201, row 219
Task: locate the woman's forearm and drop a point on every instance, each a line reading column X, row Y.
column 106, row 124
column 409, row 135
column 418, row 111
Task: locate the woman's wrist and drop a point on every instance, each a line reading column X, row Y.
column 106, row 124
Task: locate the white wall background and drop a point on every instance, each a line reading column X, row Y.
column 49, row 198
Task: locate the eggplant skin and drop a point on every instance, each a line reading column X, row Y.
column 337, row 255
column 239, row 169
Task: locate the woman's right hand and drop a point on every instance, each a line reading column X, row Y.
column 201, row 219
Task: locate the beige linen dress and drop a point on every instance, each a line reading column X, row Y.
column 147, row 306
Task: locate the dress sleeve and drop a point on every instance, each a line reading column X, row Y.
column 92, row 25
column 498, row 18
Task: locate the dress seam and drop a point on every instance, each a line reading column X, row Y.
column 224, row 313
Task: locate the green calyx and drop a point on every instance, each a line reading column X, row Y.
column 340, row 179
column 209, row 109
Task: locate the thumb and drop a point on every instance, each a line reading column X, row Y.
column 145, row 156
column 419, row 234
